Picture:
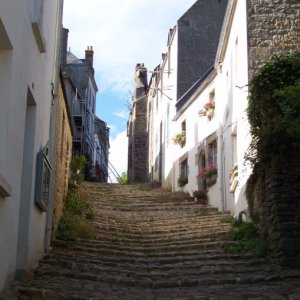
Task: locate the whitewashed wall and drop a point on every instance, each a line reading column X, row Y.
column 163, row 110
column 232, row 83
column 25, row 97
column 229, row 123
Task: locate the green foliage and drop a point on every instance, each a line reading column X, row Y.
column 246, row 237
column 78, row 203
column 228, row 219
column 77, row 166
column 78, row 210
column 274, row 109
column 123, row 179
column 72, row 227
column 180, row 138
column 182, row 181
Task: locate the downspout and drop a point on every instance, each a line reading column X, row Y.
column 222, row 171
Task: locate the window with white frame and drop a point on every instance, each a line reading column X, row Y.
column 184, row 169
column 212, row 152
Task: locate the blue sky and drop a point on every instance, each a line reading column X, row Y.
column 122, row 34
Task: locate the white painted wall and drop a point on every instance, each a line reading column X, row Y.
column 22, row 69
column 232, row 83
column 229, row 122
column 161, row 103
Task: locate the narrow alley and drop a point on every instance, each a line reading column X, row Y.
column 150, row 245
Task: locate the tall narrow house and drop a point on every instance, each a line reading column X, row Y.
column 90, row 134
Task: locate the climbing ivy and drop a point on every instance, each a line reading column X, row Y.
column 274, row 109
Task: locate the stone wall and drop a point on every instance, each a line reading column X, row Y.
column 277, row 198
column 273, row 28
column 63, row 150
column 137, row 129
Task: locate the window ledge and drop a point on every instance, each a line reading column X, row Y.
column 5, row 43
column 39, row 36
column 5, row 188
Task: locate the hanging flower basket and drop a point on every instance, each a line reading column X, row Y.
column 207, row 110
column 180, row 139
column 210, row 173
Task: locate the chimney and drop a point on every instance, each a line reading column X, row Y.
column 64, row 45
column 89, row 55
column 141, row 83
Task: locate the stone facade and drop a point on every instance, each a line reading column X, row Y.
column 137, row 129
column 63, row 152
column 102, row 150
column 273, row 28
column 80, row 73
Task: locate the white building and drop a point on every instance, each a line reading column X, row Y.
column 29, row 35
column 216, row 138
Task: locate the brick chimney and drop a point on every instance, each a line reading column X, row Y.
column 89, row 55
column 64, row 45
column 141, row 83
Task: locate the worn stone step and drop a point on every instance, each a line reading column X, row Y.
column 154, row 245
column 160, row 248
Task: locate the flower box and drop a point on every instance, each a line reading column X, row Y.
column 180, row 139
column 210, row 173
column 233, row 184
column 207, row 110
column 233, row 175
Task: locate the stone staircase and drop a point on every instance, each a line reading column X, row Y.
column 150, row 245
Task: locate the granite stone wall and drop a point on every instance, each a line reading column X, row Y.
column 137, row 129
column 63, row 151
column 274, row 28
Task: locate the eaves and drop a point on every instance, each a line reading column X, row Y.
column 200, row 85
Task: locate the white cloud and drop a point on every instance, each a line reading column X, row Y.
column 122, row 34
column 123, row 114
column 118, row 154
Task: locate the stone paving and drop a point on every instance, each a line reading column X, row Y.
column 150, row 245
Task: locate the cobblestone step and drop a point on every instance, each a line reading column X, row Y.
column 151, row 245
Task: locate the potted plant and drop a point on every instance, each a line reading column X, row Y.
column 210, row 173
column 208, row 109
column 200, row 196
column 182, row 181
column 180, row 139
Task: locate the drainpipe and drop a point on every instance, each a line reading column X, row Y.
column 222, row 171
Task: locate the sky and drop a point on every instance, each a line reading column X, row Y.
column 122, row 33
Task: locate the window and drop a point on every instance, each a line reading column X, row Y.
column 5, row 43
column 212, row 96
column 37, row 18
column 212, row 152
column 183, row 175
column 183, row 126
column 184, row 169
